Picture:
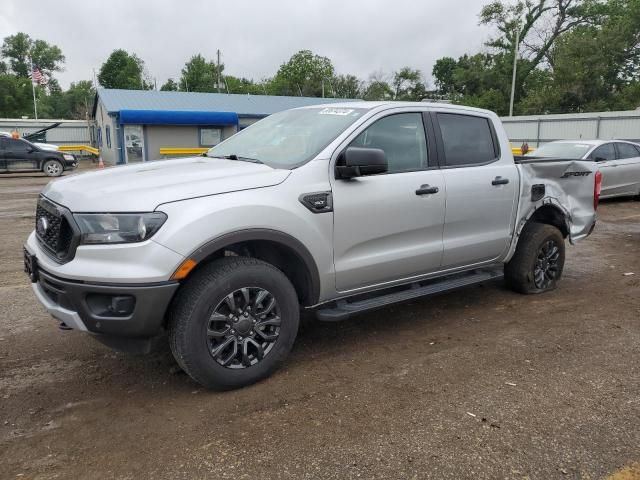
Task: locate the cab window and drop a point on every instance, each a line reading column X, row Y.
column 402, row 138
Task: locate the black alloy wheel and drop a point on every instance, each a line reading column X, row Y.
column 243, row 327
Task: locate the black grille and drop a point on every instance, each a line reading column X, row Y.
column 58, row 235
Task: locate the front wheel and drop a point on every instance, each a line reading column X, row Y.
column 538, row 262
column 52, row 168
column 233, row 323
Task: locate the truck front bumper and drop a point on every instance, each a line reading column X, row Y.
column 114, row 310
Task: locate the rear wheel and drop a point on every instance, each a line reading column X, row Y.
column 234, row 322
column 538, row 262
column 52, row 168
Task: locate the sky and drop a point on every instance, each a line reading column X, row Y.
column 255, row 37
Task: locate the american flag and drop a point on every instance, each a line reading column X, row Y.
column 37, row 76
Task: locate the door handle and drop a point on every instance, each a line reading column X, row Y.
column 499, row 181
column 427, row 190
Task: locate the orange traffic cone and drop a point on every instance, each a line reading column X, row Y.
column 100, row 162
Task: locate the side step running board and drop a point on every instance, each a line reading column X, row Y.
column 343, row 309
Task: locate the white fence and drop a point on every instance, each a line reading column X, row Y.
column 540, row 129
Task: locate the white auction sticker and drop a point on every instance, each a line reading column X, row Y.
column 335, row 111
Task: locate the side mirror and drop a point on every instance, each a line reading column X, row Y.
column 31, row 150
column 359, row 161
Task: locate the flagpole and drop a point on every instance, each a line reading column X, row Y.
column 33, row 89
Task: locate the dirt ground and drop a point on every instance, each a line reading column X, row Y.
column 480, row 383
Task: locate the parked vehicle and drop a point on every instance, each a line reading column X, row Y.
column 43, row 146
column 339, row 209
column 619, row 162
column 20, row 155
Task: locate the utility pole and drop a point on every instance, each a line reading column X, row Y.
column 323, row 88
column 515, row 69
column 33, row 90
column 218, row 72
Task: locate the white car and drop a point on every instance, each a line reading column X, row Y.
column 618, row 160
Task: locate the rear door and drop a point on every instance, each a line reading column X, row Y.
column 628, row 161
column 482, row 188
column 612, row 179
column 388, row 227
column 20, row 156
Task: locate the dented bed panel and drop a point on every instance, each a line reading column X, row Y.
column 567, row 185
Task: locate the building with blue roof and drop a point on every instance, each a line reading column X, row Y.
column 133, row 125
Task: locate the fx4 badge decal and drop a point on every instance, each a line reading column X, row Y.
column 575, row 174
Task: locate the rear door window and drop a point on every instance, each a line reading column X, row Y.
column 467, row 140
column 603, row 153
column 626, row 150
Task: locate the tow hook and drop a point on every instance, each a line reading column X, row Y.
column 64, row 326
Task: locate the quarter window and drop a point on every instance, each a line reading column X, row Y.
column 468, row 140
column 603, row 153
column 626, row 150
column 401, row 137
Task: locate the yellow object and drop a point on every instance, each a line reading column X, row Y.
column 517, row 151
column 79, row 148
column 182, row 150
column 184, row 269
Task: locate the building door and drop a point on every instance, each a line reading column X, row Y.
column 134, row 143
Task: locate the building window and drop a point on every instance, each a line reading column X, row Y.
column 107, row 133
column 99, row 137
column 210, row 136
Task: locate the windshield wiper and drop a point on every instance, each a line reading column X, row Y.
column 233, row 156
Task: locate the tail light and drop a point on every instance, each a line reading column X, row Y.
column 597, row 186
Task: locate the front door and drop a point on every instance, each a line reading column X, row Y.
column 20, row 155
column 3, row 163
column 384, row 229
column 134, row 143
column 482, row 188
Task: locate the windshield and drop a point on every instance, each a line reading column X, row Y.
column 288, row 139
column 562, row 149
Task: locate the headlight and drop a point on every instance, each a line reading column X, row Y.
column 68, row 157
column 99, row 228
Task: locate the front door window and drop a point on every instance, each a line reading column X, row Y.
column 134, row 143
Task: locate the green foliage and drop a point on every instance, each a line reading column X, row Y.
column 408, row 85
column 15, row 96
column 347, row 86
column 169, row 86
column 304, row 74
column 124, row 70
column 18, row 49
column 199, row 75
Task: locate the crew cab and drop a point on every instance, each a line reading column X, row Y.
column 337, row 209
column 20, row 155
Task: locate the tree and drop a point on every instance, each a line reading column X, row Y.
column 124, row 70
column 443, row 73
column 408, row 85
column 347, row 86
column 305, row 74
column 20, row 49
column 169, row 86
column 15, row 96
column 199, row 75
column 378, row 88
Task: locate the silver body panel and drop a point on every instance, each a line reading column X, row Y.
column 379, row 234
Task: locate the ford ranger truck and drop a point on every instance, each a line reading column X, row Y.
column 338, row 209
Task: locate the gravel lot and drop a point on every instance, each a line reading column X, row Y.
column 479, row 383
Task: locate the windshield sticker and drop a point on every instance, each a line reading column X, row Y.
column 582, row 145
column 335, row 111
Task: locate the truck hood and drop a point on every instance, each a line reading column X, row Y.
column 142, row 187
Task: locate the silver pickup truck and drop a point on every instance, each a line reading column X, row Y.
column 337, row 209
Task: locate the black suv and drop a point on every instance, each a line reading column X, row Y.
column 19, row 155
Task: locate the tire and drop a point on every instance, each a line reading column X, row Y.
column 540, row 249
column 52, row 168
column 201, row 322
